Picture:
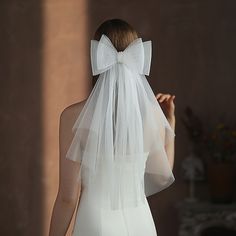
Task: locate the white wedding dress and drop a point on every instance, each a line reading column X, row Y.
column 143, row 175
column 92, row 220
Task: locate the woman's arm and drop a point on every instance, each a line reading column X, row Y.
column 170, row 147
column 69, row 189
column 167, row 104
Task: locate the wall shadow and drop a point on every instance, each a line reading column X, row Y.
column 20, row 118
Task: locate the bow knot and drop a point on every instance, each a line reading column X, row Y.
column 136, row 56
column 120, row 57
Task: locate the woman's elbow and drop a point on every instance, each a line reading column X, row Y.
column 67, row 199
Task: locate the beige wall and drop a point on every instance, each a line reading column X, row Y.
column 45, row 67
column 65, row 81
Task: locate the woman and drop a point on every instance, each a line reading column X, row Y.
column 92, row 219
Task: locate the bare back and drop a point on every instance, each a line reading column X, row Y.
column 69, row 189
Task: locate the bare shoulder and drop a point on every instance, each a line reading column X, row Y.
column 70, row 113
column 67, row 119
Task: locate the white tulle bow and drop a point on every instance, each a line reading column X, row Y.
column 137, row 56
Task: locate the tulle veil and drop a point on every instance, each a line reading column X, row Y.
column 121, row 132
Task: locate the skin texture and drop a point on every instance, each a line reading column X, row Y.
column 166, row 102
column 69, row 190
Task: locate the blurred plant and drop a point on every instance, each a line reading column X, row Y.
column 194, row 129
column 218, row 142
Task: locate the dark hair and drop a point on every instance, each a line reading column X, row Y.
column 119, row 32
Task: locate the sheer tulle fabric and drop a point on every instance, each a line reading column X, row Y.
column 121, row 132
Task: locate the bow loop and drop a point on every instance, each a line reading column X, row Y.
column 137, row 56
